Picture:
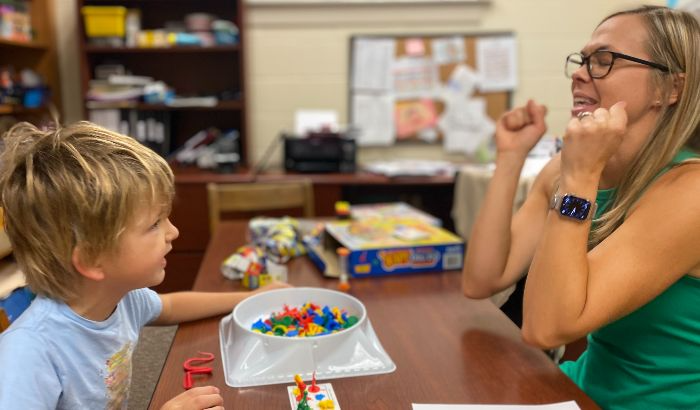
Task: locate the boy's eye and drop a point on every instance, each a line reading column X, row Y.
column 156, row 224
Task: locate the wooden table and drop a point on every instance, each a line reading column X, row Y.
column 447, row 349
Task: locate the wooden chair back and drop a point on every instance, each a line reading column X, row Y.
column 259, row 197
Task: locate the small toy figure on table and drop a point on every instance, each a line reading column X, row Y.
column 248, row 264
column 315, row 397
column 343, row 253
column 303, row 394
column 342, row 210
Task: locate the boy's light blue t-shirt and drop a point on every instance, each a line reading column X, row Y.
column 51, row 358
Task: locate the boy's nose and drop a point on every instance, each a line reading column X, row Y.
column 173, row 232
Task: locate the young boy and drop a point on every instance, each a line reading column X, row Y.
column 87, row 213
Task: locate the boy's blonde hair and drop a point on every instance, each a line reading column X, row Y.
column 77, row 186
column 674, row 41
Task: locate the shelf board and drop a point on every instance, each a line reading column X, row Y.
column 27, row 45
column 7, row 109
column 221, row 106
column 161, row 50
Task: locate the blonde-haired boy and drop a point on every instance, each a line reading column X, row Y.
column 87, row 213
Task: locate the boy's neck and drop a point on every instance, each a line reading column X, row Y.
column 95, row 302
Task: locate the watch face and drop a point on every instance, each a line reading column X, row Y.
column 575, row 207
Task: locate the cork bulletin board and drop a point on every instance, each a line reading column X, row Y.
column 429, row 88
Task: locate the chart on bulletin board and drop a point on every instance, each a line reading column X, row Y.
column 440, row 89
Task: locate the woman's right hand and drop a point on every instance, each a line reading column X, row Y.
column 518, row 130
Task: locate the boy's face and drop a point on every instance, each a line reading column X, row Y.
column 139, row 260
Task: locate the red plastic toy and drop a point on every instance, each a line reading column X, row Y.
column 314, row 387
column 190, row 369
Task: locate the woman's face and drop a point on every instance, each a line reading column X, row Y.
column 627, row 80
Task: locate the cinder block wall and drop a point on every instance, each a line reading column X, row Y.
column 297, row 55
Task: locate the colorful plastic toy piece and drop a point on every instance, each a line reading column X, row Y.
column 190, row 369
column 309, row 320
column 313, row 397
column 326, row 404
column 342, row 210
column 302, row 398
column 314, row 387
column 344, row 284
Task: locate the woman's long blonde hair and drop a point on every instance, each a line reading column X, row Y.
column 674, row 41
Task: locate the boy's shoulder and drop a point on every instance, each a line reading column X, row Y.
column 28, row 341
column 32, row 325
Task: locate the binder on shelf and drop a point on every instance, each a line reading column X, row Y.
column 151, row 128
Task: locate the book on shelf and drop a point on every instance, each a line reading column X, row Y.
column 205, row 101
column 151, row 128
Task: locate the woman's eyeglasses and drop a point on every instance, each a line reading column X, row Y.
column 601, row 62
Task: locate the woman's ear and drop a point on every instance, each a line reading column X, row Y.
column 677, row 88
column 88, row 268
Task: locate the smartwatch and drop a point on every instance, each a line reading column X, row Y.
column 573, row 207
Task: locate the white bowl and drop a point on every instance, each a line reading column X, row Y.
column 254, row 359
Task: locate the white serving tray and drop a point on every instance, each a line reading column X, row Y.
column 254, row 359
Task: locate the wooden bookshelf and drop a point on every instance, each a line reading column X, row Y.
column 189, row 70
column 161, row 50
column 38, row 54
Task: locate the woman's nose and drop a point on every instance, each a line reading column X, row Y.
column 581, row 73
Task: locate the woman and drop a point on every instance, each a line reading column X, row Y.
column 611, row 229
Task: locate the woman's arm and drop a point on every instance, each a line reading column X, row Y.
column 496, row 255
column 501, row 245
column 570, row 291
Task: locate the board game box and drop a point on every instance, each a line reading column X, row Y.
column 391, row 210
column 385, row 246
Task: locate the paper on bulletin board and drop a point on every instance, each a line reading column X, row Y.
column 415, row 77
column 448, row 50
column 373, row 117
column 466, row 126
column 462, row 83
column 415, row 47
column 412, row 116
column 372, row 63
column 497, row 63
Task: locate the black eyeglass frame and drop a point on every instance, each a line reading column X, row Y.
column 615, row 55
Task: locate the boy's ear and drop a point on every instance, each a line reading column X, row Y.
column 90, row 270
column 678, row 83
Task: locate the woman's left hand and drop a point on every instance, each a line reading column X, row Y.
column 590, row 141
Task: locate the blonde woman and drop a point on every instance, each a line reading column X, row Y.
column 610, row 233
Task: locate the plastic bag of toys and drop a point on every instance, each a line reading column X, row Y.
column 246, row 261
column 280, row 238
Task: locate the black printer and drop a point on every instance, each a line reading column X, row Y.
column 319, row 152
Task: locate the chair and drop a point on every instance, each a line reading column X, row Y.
column 259, row 196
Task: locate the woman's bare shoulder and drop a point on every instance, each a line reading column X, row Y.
column 676, row 188
column 685, row 175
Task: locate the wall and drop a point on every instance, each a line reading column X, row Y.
column 297, row 55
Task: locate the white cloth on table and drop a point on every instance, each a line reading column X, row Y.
column 471, row 184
